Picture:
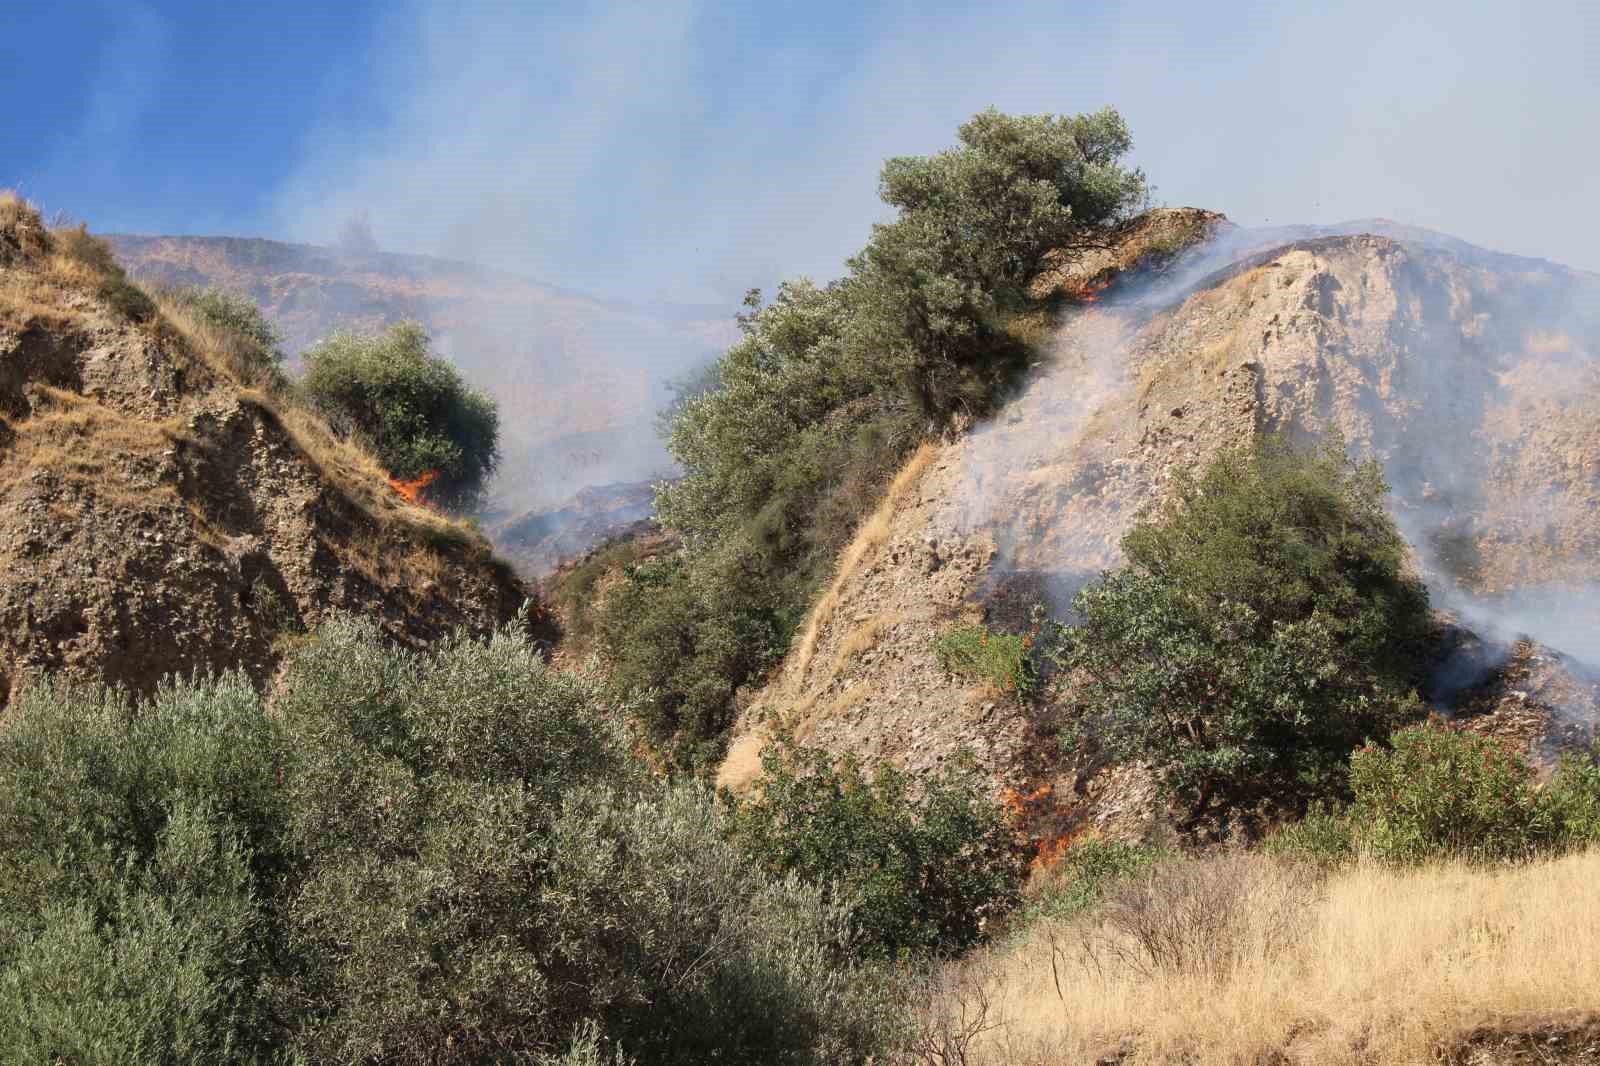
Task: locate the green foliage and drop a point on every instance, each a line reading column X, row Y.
column 1447, row 792
column 684, row 638
column 250, row 341
column 1573, row 797
column 788, row 439
column 1265, row 625
column 410, row 407
column 136, row 842
column 1079, row 879
column 416, row 858
column 921, row 873
column 1437, row 792
column 998, row 658
column 932, row 288
column 1324, row 837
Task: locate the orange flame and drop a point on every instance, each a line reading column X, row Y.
column 1089, row 292
column 412, row 490
column 1036, row 816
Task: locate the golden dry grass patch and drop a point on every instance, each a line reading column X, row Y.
column 870, row 535
column 742, row 765
column 863, row 639
column 1388, row 966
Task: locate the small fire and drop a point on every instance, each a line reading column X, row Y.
column 1089, row 292
column 1038, row 816
column 412, row 490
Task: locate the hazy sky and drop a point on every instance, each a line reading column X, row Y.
column 681, row 150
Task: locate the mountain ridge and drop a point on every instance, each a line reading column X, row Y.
column 1476, row 386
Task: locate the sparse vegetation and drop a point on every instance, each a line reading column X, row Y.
column 1001, row 659
column 235, row 327
column 920, row 873
column 1265, row 625
column 410, row 407
column 1078, row 880
column 81, row 248
column 1370, row 964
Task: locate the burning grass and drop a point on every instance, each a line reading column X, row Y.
column 1243, row 959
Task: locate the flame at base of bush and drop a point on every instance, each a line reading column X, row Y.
column 413, row 490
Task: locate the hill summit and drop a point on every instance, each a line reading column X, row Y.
column 1473, row 378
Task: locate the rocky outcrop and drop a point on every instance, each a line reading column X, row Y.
column 1473, row 379
column 157, row 516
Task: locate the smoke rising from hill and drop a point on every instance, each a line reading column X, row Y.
column 1473, row 377
column 686, row 151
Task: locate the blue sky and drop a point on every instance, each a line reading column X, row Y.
column 684, row 150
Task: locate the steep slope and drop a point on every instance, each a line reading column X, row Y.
column 578, row 379
column 159, row 515
column 1474, row 379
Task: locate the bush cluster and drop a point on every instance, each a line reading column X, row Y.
column 1265, row 625
column 242, row 332
column 787, row 440
column 412, row 408
column 920, row 872
column 429, row 857
column 1440, row 792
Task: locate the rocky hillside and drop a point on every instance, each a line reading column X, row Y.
column 1474, row 378
column 579, row 380
column 160, row 514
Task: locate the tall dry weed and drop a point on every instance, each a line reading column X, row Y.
column 1377, row 965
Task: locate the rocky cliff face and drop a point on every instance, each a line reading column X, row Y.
column 159, row 516
column 1473, row 378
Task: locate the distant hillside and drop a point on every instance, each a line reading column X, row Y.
column 578, row 379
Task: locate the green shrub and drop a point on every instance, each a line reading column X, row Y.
column 998, row 658
column 139, row 843
column 1440, row 792
column 1325, row 836
column 931, row 291
column 1264, row 625
column 249, row 342
column 684, row 637
column 1573, row 798
column 410, row 407
column 921, row 873
column 1079, row 879
column 435, row 857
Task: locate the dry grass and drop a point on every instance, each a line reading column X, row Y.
column 742, row 765
column 869, row 537
column 220, row 349
column 22, row 231
column 83, row 441
column 863, row 639
column 1380, row 966
column 358, row 474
